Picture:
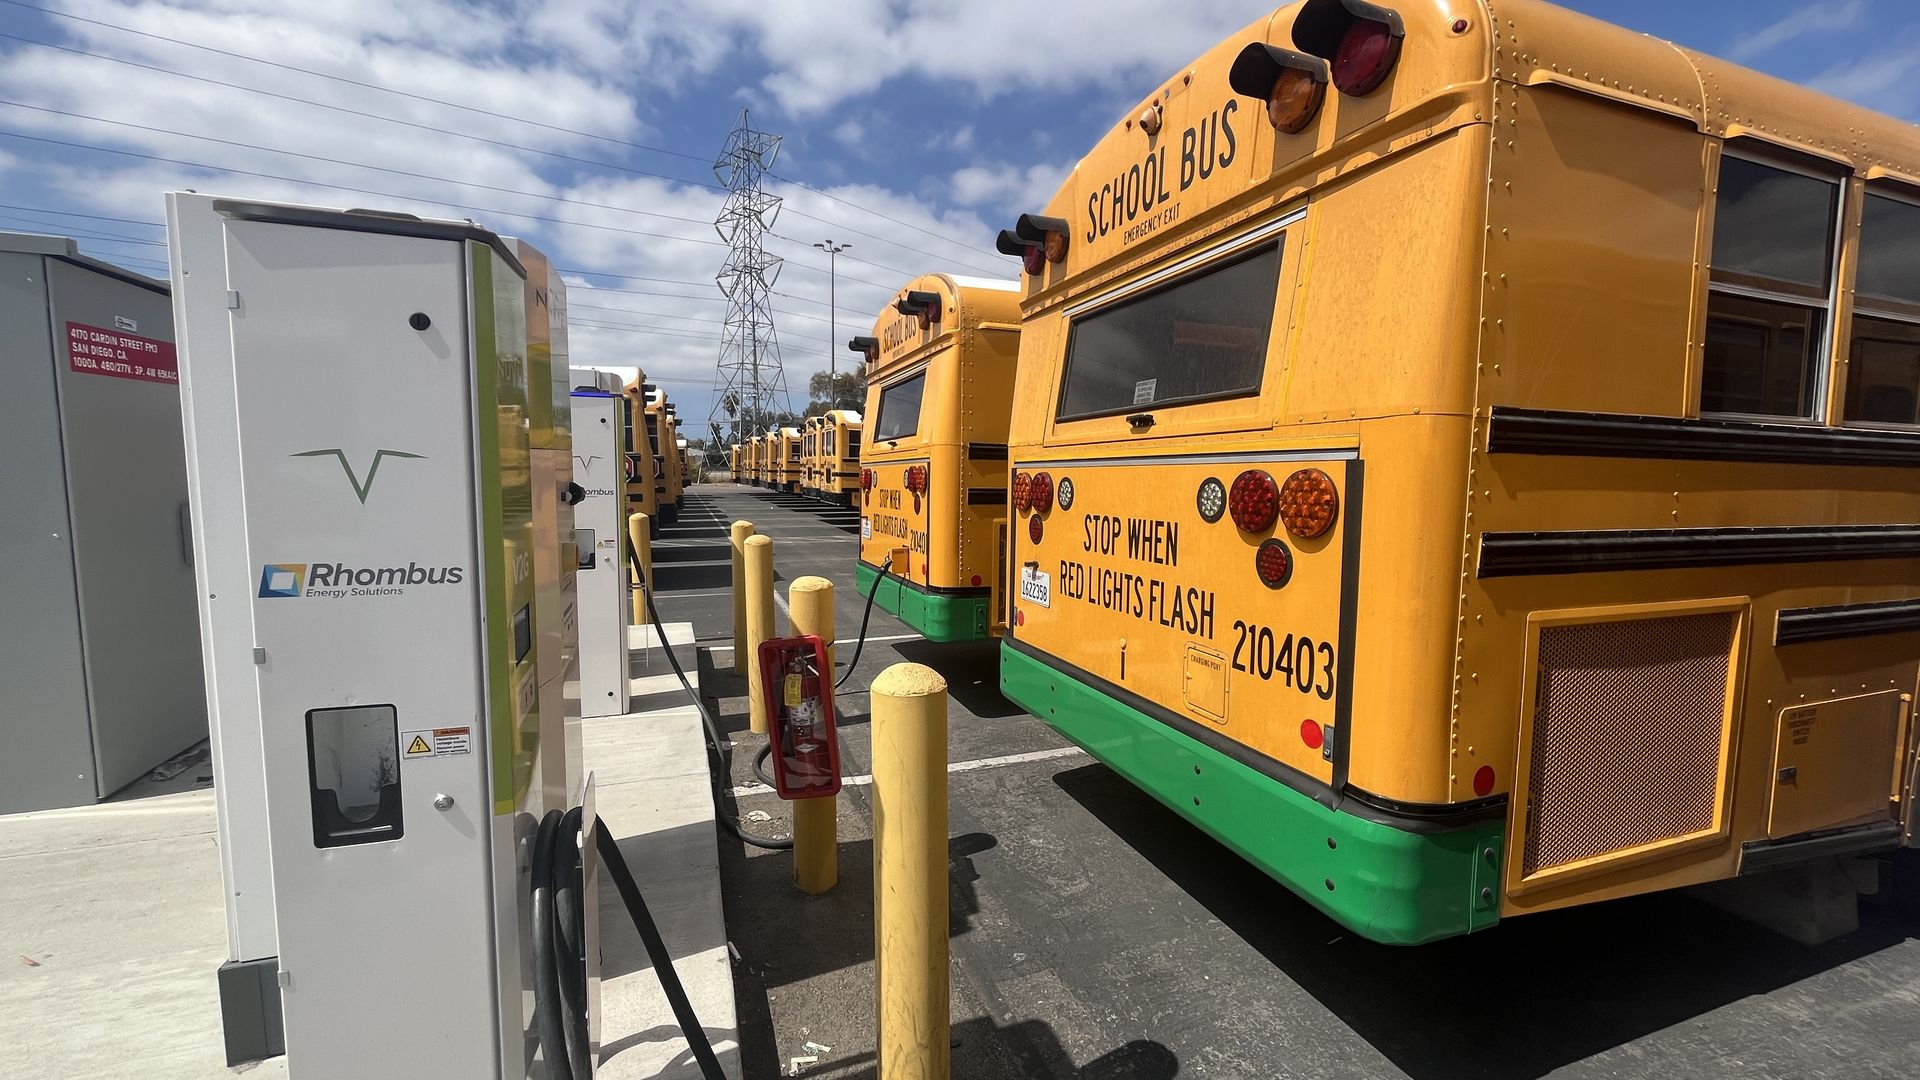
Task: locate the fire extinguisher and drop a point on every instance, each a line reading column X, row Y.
column 800, row 724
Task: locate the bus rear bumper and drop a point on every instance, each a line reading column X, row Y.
column 1391, row 884
column 936, row 615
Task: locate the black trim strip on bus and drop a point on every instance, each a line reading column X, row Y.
column 1508, row 554
column 1407, row 817
column 1761, row 855
column 1578, row 434
column 1349, row 617
column 1796, row 625
column 979, row 496
column 933, row 590
column 987, row 451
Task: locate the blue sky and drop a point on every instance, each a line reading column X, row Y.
column 917, row 129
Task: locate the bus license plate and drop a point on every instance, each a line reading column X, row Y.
column 1036, row 587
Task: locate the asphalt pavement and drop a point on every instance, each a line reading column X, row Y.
column 1094, row 934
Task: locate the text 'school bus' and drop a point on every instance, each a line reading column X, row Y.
column 1472, row 468
column 840, row 456
column 642, row 465
column 810, row 482
column 933, row 470
column 785, row 446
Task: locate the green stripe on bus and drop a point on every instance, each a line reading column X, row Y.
column 934, row 617
column 1386, row 884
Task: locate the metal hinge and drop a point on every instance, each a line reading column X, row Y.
column 259, row 655
column 233, row 300
column 1328, row 734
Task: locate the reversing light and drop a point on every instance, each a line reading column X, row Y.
column 1022, row 490
column 1362, row 40
column 1211, row 500
column 1040, row 492
column 1034, row 528
column 1273, row 562
column 1292, row 85
column 1309, row 503
column 1254, row 501
column 1031, row 253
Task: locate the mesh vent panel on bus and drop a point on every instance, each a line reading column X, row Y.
column 1627, row 735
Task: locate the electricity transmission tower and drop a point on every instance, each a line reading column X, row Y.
column 749, row 385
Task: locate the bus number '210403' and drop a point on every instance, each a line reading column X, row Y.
column 1297, row 660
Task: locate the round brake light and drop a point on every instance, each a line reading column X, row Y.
column 1254, row 501
column 1274, row 563
column 1034, row 528
column 866, row 479
column 1309, row 503
column 1366, row 54
column 1022, row 483
column 1295, row 100
column 1040, row 492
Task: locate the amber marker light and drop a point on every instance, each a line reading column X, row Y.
column 1292, row 85
column 1309, row 503
column 1049, row 232
column 1254, row 501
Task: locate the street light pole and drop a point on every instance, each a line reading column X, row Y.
column 833, row 250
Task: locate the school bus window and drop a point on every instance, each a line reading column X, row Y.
column 1200, row 339
column 900, row 408
column 1883, row 374
column 853, row 444
column 1769, row 290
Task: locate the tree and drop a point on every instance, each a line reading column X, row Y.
column 848, row 391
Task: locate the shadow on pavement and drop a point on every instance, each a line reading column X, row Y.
column 1516, row 1001
column 984, row 1050
column 972, row 671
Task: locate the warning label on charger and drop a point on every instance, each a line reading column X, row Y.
column 436, row 742
column 117, row 354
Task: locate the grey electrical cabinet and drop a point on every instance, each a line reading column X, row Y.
column 100, row 674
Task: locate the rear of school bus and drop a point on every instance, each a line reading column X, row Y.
column 641, row 498
column 840, row 456
column 675, row 471
column 787, row 459
column 1451, row 554
column 933, row 463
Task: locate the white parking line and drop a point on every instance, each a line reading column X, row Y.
column 871, row 640
column 864, row 780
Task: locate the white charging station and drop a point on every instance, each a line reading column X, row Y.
column 600, row 423
column 371, row 438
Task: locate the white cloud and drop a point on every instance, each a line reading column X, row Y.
column 1808, row 19
column 1001, row 186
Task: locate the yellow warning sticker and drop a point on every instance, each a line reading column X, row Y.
column 436, row 742
column 793, row 690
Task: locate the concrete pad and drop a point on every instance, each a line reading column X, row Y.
column 119, row 906
column 654, row 794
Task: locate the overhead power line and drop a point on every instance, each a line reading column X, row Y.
column 505, row 144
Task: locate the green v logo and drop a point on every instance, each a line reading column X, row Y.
column 360, row 488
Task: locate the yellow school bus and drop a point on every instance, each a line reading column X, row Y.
column 641, row 463
column 933, row 469
column 676, row 461
column 763, row 459
column 1471, row 466
column 810, row 443
column 733, row 463
column 839, row 460
column 785, row 446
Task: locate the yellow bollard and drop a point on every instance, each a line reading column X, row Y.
column 759, row 578
column 741, row 530
column 637, row 535
column 909, row 730
column 816, row 838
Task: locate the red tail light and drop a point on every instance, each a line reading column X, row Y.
column 866, row 479
column 1033, row 260
column 1274, row 563
column 1483, row 778
column 1366, row 56
column 1254, row 501
column 1040, row 492
column 1034, row 528
column 916, row 478
column 1022, row 484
